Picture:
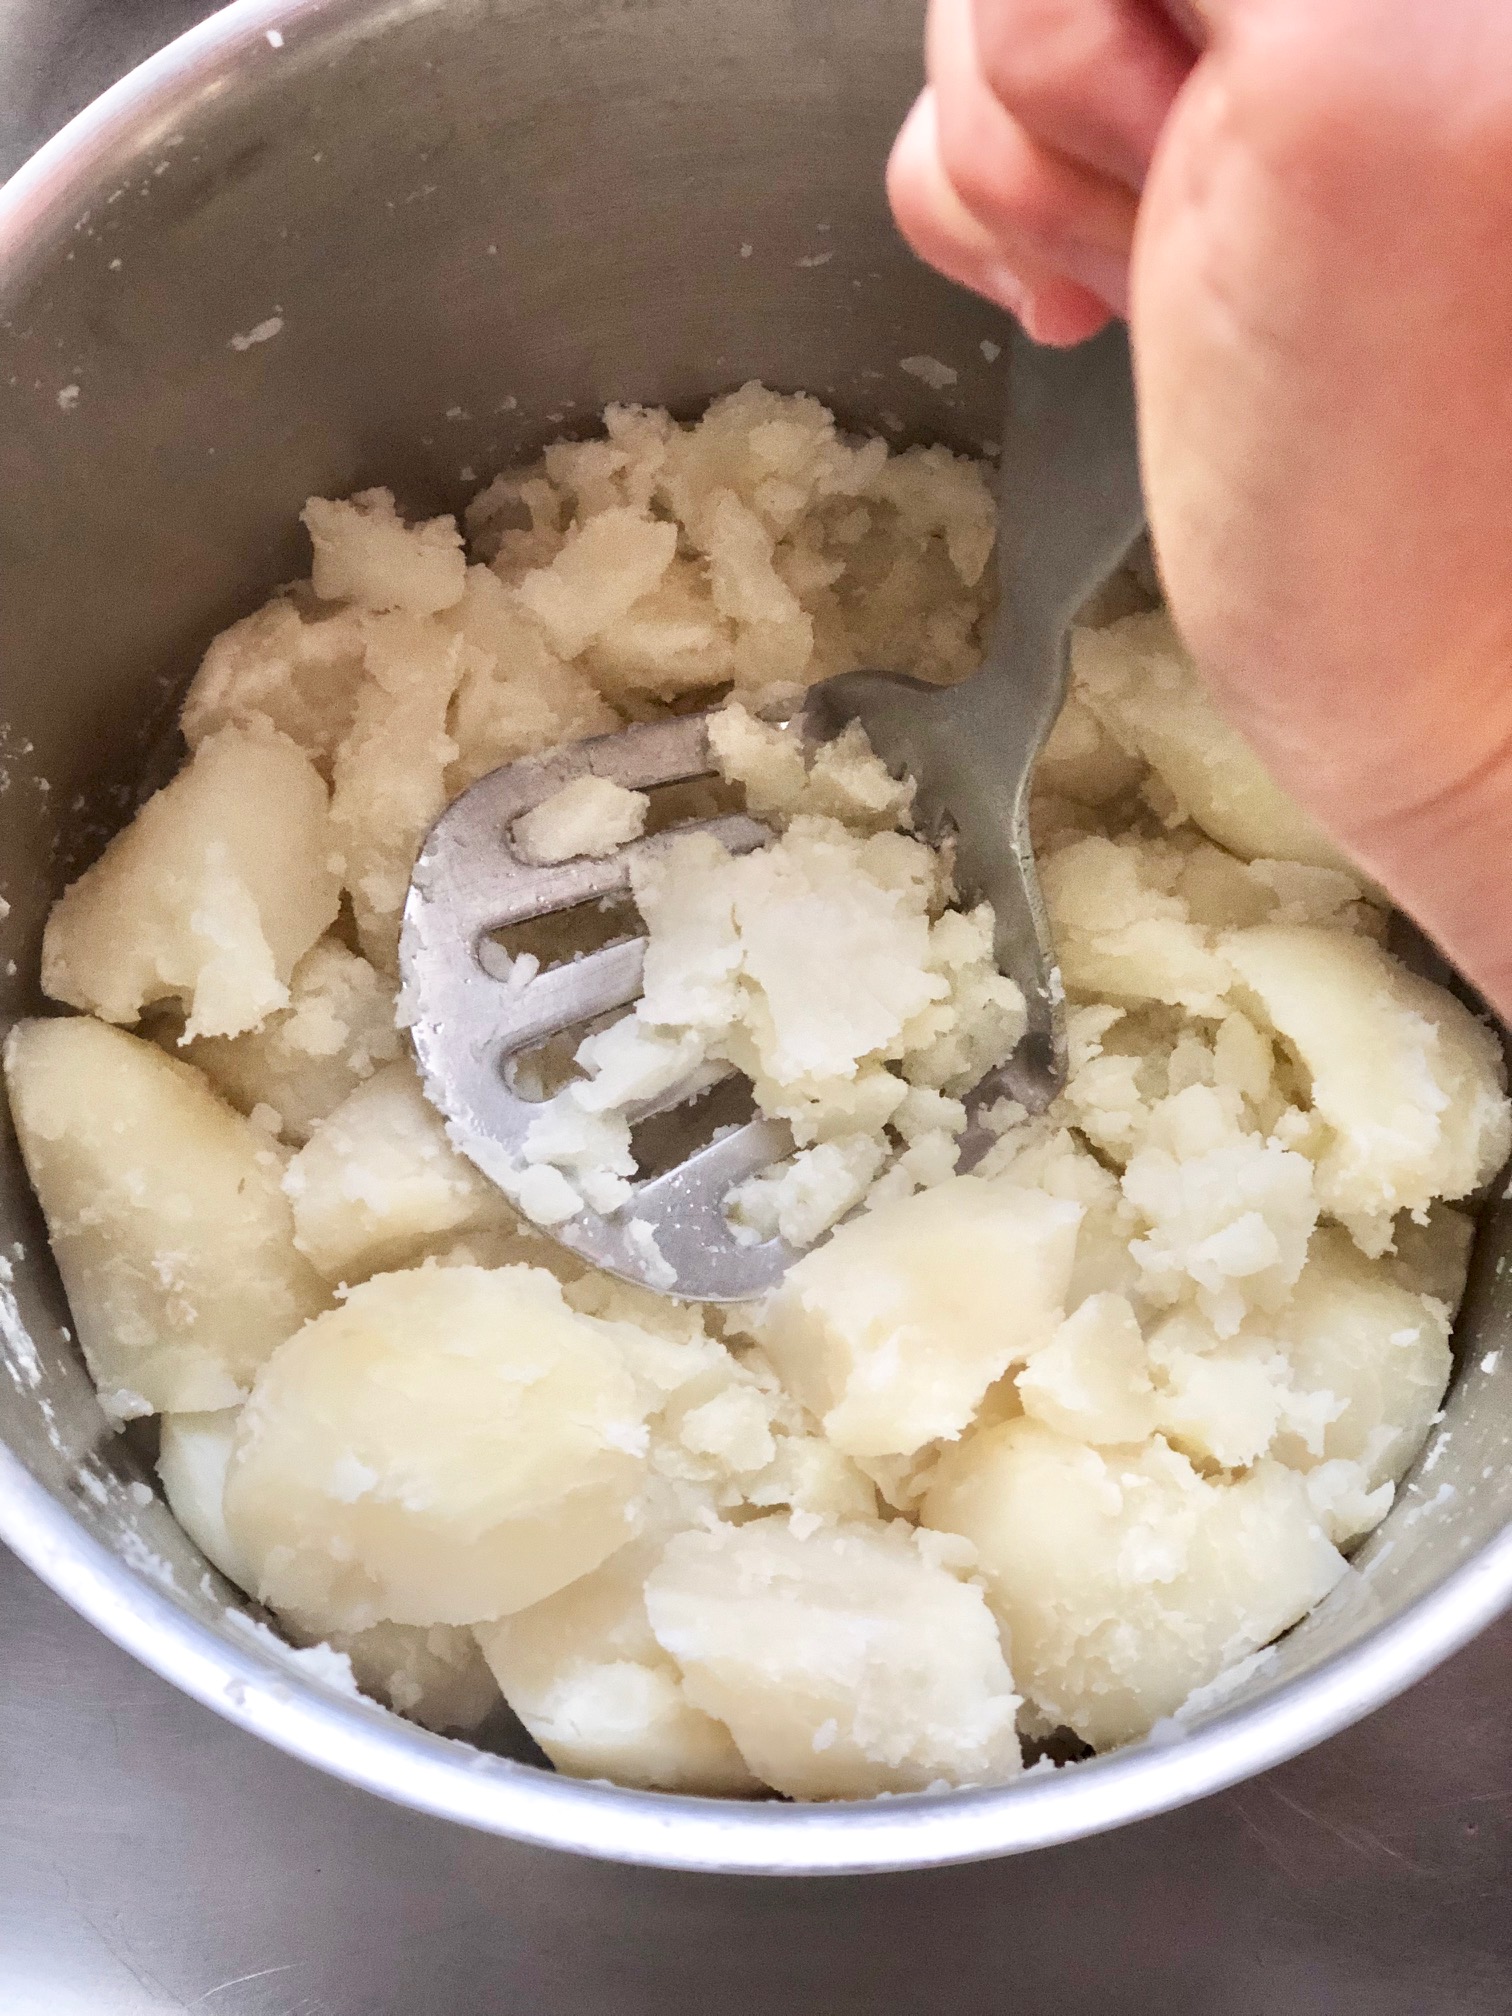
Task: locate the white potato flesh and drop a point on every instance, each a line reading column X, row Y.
column 587, row 1678
column 173, row 1238
column 194, row 1452
column 603, row 569
column 892, row 1331
column 1092, row 1380
column 1137, row 678
column 447, row 1446
column 845, row 1663
column 378, row 1181
column 279, row 670
column 1123, row 1577
column 1123, row 935
column 590, row 816
column 367, row 555
column 1378, row 1348
column 437, row 1677
column 1410, row 1084
column 220, row 884
column 335, row 1033
column 389, row 775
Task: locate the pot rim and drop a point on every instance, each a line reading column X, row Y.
column 252, row 1687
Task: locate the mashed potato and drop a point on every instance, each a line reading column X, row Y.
column 1046, row 1445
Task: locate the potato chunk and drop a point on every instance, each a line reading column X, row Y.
column 219, row 885
column 893, row 1331
column 1124, row 1578
column 194, row 1453
column 173, row 1238
column 844, row 1664
column 1138, row 679
column 1378, row 1349
column 378, row 1181
column 336, row 1031
column 278, row 671
column 449, row 1445
column 587, row 1678
column 1410, row 1084
column 365, row 553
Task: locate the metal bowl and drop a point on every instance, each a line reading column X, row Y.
column 314, row 246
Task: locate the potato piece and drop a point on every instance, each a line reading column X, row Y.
column 378, row 1180
column 591, row 815
column 1410, row 1084
column 893, row 1331
column 1226, row 1213
column 597, row 1692
column 603, row 569
column 1123, row 1577
column 1137, row 678
column 1380, row 1350
column 436, row 1677
column 845, row 1664
column 335, row 1033
column 194, row 1451
column 173, row 1238
column 277, row 671
column 446, row 1447
column 516, row 697
column 390, row 772
column 219, row 885
column 365, row 553
column 1122, row 931
column 1092, row 1380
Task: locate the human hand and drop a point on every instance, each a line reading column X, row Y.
column 1308, row 224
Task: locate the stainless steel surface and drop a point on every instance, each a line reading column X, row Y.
column 1069, row 510
column 155, row 1862
column 295, row 164
column 476, row 1011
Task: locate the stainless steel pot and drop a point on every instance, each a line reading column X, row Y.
column 317, row 245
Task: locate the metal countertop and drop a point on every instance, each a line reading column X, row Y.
column 154, row 1860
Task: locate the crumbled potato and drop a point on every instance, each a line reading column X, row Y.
column 366, row 555
column 843, row 1662
column 1124, row 1578
column 174, row 1240
column 1137, row 679
column 1143, row 1372
column 590, row 1682
column 891, row 1333
column 1408, row 1084
column 378, row 1181
column 281, row 671
column 447, row 1446
column 303, row 1060
column 222, row 882
column 591, row 816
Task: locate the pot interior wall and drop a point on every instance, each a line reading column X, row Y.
column 408, row 245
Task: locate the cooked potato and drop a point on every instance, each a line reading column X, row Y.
column 587, row 1678
column 366, row 554
column 219, row 885
column 844, row 1663
column 378, row 1181
column 1409, row 1083
column 303, row 1061
column 281, row 671
column 893, row 1331
column 194, row 1452
column 447, row 1446
column 1137, row 678
column 174, row 1240
column 1092, row 1380
column 1124, row 1578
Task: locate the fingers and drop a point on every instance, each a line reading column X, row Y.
column 1018, row 171
column 934, row 220
column 1093, row 79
